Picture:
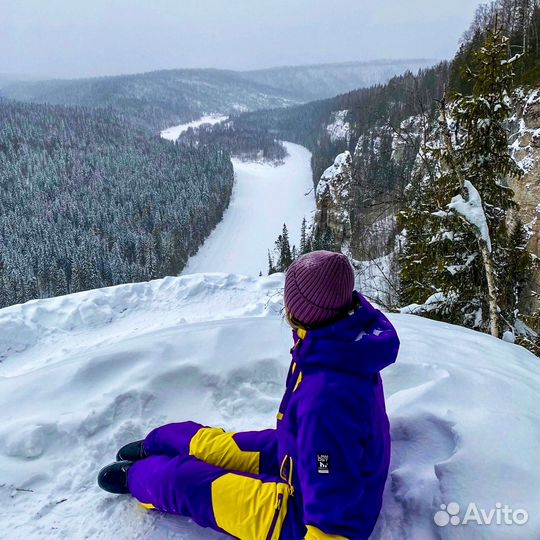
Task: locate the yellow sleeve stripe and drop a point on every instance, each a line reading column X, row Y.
column 316, row 534
column 148, row 506
column 298, row 381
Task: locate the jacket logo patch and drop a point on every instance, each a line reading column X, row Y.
column 323, row 463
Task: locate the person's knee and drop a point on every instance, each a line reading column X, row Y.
column 145, row 476
column 171, row 439
column 166, row 482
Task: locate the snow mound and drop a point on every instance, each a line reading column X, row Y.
column 82, row 374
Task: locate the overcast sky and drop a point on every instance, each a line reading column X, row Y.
column 74, row 38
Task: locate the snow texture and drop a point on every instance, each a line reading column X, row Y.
column 264, row 198
column 473, row 211
column 83, row 374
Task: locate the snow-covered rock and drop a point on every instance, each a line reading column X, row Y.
column 82, row 374
column 339, row 128
column 411, row 129
column 377, row 279
column 333, row 197
column 526, row 152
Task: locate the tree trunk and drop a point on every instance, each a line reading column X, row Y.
column 447, row 140
column 492, row 288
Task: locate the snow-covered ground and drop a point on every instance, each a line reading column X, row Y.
column 264, row 198
column 174, row 132
column 81, row 375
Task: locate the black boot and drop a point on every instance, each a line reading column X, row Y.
column 114, row 477
column 132, row 451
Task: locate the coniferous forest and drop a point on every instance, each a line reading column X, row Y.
column 249, row 143
column 90, row 201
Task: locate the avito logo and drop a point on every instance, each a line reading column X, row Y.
column 498, row 515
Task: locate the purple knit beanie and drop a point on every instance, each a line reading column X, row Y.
column 319, row 287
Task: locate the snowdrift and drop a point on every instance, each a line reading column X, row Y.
column 82, row 374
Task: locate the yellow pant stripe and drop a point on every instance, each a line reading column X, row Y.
column 215, row 446
column 248, row 508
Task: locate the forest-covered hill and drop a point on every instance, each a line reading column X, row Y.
column 319, row 81
column 368, row 112
column 90, row 201
column 157, row 99
column 160, row 99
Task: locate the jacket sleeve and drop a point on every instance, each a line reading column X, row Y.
column 330, row 450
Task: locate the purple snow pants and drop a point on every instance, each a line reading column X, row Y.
column 227, row 481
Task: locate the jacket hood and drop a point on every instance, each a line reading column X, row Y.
column 364, row 342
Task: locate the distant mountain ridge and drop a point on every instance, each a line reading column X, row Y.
column 159, row 99
column 320, row 81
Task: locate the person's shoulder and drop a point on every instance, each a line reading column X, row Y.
column 321, row 390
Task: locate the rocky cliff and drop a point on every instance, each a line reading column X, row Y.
column 526, row 152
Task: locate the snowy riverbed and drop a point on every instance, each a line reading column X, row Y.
column 264, row 197
column 174, row 132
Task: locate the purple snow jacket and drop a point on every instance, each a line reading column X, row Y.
column 333, row 432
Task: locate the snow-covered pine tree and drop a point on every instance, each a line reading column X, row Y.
column 284, row 255
column 283, row 251
column 91, row 200
column 271, row 267
column 303, row 238
column 324, row 240
column 455, row 261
